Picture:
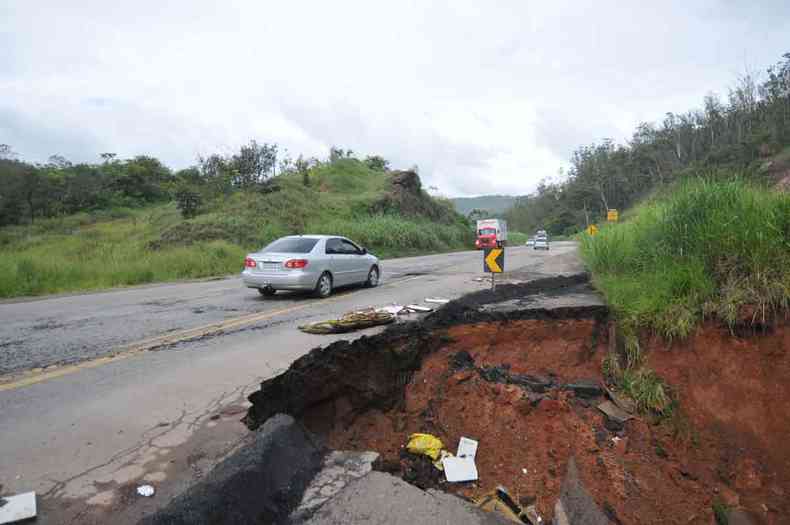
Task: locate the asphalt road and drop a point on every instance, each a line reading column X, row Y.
column 102, row 392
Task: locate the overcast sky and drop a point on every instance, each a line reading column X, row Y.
column 484, row 96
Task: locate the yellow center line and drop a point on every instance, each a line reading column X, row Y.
column 14, row 381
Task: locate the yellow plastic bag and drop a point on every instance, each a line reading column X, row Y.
column 426, row 444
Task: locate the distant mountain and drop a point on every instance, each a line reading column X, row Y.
column 492, row 203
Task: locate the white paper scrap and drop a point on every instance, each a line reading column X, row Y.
column 437, row 300
column 459, row 469
column 394, row 309
column 418, row 308
column 467, row 447
column 18, row 508
column 146, row 491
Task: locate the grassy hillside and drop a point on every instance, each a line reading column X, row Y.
column 710, row 246
column 132, row 246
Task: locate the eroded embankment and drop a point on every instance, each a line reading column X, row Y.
column 526, row 384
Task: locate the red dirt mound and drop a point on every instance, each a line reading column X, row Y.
column 730, row 447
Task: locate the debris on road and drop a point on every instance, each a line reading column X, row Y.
column 18, row 508
column 458, row 469
column 439, row 461
column 462, row 467
column 146, row 491
column 436, row 300
column 349, row 322
column 396, row 309
column 491, row 502
column 500, row 502
column 419, row 309
column 426, row 444
column 466, row 448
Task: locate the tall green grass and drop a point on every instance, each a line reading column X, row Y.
column 708, row 246
column 62, row 264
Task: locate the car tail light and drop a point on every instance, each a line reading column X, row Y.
column 249, row 262
column 296, row 263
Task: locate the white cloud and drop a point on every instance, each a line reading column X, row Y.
column 484, row 98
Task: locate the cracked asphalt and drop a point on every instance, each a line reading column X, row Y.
column 84, row 439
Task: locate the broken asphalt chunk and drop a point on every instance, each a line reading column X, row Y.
column 535, row 383
column 586, row 388
column 621, row 401
column 615, row 416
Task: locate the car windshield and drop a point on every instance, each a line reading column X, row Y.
column 291, row 245
column 487, row 231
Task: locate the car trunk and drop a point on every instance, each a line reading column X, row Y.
column 270, row 262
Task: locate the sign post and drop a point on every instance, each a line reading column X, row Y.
column 592, row 229
column 493, row 262
column 612, row 215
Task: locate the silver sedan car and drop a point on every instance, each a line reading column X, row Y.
column 317, row 263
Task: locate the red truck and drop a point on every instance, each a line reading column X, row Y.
column 491, row 233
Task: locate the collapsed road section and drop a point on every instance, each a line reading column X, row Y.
column 477, row 367
column 518, row 372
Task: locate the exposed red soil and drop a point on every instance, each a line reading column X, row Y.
column 732, row 444
column 735, row 393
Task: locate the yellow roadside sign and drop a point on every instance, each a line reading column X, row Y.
column 612, row 215
column 494, row 260
column 592, row 229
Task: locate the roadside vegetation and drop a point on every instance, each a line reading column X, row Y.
column 747, row 132
column 709, row 246
column 704, row 230
column 67, row 227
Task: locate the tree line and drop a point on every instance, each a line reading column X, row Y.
column 29, row 191
column 752, row 123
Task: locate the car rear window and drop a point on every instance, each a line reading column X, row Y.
column 291, row 245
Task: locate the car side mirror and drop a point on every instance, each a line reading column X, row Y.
column 364, row 251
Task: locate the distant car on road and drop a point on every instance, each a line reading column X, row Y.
column 317, row 263
column 541, row 243
column 531, row 241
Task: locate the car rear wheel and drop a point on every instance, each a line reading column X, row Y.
column 373, row 278
column 267, row 292
column 323, row 287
